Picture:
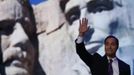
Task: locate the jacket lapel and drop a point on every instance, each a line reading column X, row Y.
column 105, row 63
column 120, row 66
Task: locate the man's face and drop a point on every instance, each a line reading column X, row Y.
column 18, row 51
column 111, row 47
column 101, row 19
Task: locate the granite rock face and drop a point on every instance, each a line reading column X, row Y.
column 19, row 46
column 56, row 47
column 109, row 17
column 40, row 39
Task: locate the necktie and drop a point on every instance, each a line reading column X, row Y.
column 110, row 69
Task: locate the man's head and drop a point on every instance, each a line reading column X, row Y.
column 101, row 15
column 111, row 46
column 17, row 32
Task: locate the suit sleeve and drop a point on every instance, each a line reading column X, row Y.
column 129, row 72
column 124, row 68
column 84, row 54
column 127, row 69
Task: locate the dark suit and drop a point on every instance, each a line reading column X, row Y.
column 98, row 64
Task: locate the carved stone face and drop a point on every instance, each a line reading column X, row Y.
column 15, row 44
column 102, row 18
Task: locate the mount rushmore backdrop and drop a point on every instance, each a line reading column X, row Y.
column 39, row 39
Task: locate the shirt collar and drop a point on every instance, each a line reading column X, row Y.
column 114, row 59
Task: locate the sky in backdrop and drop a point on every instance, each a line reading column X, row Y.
column 36, row 1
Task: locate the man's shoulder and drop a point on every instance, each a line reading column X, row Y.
column 122, row 63
column 97, row 55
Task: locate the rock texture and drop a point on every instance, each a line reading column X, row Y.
column 18, row 38
column 56, row 48
column 58, row 24
column 40, row 39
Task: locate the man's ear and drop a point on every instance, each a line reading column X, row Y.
column 63, row 4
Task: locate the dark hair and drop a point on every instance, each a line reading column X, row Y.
column 111, row 36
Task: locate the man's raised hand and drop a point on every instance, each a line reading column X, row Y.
column 83, row 26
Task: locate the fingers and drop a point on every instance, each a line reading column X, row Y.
column 83, row 26
column 80, row 22
column 84, row 21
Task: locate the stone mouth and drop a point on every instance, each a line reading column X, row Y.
column 14, row 62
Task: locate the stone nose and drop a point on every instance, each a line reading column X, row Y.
column 18, row 35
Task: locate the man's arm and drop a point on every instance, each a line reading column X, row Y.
column 128, row 70
column 83, row 53
column 80, row 47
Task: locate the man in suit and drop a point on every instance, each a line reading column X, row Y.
column 109, row 64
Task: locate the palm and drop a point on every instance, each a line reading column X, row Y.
column 83, row 27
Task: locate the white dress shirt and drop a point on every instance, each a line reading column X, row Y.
column 115, row 66
column 79, row 39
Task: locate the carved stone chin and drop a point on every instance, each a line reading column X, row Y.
column 12, row 70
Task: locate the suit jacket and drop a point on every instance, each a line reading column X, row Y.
column 99, row 64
